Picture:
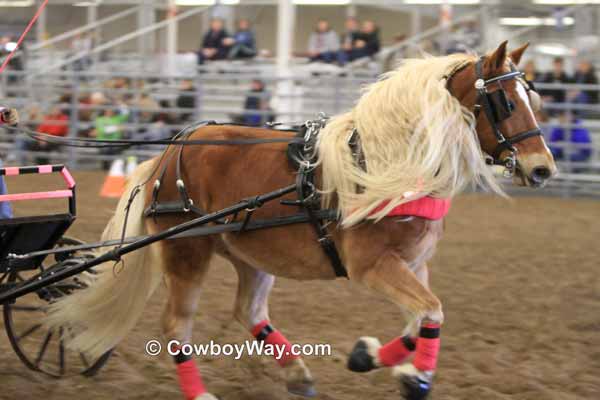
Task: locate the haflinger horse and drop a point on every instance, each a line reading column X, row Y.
column 425, row 129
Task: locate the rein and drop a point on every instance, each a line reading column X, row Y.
column 125, row 143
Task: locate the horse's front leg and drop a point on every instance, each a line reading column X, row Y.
column 392, row 277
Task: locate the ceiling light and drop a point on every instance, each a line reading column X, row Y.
column 535, row 21
column 453, row 2
column 565, row 2
column 204, row 2
column 321, row 2
column 16, row 3
column 554, row 49
column 86, row 3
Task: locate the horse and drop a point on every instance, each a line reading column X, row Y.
column 423, row 134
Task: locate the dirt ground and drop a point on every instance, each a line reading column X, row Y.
column 520, row 283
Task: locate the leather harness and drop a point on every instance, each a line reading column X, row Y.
column 300, row 153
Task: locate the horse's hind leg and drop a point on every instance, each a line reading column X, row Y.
column 186, row 263
column 392, row 277
column 252, row 311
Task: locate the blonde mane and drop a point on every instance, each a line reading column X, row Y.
column 415, row 137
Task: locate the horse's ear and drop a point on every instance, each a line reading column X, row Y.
column 516, row 55
column 498, row 57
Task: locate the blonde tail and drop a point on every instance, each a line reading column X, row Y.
column 102, row 314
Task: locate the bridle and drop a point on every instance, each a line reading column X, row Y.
column 497, row 108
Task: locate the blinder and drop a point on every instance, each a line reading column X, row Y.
column 502, row 108
column 497, row 108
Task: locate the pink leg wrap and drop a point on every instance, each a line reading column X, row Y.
column 264, row 331
column 396, row 351
column 428, row 347
column 190, row 380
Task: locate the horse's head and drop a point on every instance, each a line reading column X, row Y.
column 504, row 104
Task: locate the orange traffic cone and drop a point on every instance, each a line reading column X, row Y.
column 114, row 184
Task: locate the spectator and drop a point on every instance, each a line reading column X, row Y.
column 243, row 44
column 55, row 123
column 367, row 41
column 147, row 107
column 256, row 106
column 578, row 136
column 16, row 63
column 531, row 72
column 187, row 99
column 324, row 43
column 585, row 74
column 558, row 75
column 158, row 130
column 109, row 126
column 348, row 41
column 81, row 44
column 214, row 44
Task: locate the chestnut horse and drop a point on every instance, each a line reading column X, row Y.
column 425, row 129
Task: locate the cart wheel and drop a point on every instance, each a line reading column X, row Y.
column 38, row 348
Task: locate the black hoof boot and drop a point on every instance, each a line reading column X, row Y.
column 415, row 388
column 360, row 360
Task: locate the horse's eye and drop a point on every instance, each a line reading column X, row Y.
column 511, row 105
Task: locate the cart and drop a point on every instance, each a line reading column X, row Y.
column 39, row 348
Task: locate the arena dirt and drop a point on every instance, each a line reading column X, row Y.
column 520, row 284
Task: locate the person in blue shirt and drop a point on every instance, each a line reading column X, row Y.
column 243, row 43
column 577, row 135
column 8, row 116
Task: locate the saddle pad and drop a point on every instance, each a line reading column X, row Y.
column 426, row 207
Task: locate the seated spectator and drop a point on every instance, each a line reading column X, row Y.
column 55, row 123
column 577, row 135
column 585, row 74
column 158, row 130
column 214, row 44
column 256, row 107
column 367, row 40
column 558, row 75
column 187, row 99
column 147, row 107
column 109, row 126
column 324, row 43
column 348, row 41
column 531, row 72
column 242, row 44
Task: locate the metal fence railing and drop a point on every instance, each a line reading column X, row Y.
column 157, row 106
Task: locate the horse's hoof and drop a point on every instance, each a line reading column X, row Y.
column 298, row 379
column 415, row 388
column 415, row 384
column 206, row 396
column 363, row 357
column 304, row 389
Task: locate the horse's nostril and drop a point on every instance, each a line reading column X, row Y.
column 541, row 173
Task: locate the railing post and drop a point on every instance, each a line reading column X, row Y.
column 198, row 113
column 74, row 119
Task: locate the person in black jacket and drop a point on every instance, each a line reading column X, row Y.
column 367, row 42
column 557, row 75
column 215, row 44
column 348, row 41
column 186, row 99
column 586, row 74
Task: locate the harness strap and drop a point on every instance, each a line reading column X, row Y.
column 305, row 186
